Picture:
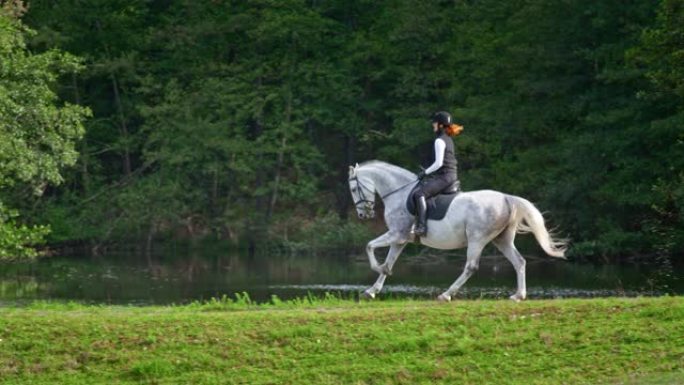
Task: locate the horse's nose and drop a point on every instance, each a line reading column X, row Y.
column 362, row 215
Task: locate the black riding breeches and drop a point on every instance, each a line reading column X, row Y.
column 433, row 185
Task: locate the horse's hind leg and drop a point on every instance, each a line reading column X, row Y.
column 392, row 255
column 472, row 263
column 504, row 242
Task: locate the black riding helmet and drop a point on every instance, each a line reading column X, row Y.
column 442, row 117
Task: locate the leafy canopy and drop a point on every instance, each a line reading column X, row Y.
column 38, row 134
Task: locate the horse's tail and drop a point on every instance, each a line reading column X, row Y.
column 528, row 219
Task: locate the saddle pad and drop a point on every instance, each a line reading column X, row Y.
column 437, row 206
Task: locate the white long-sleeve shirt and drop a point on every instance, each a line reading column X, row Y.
column 440, row 147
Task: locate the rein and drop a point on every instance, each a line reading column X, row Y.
column 392, row 192
column 362, row 196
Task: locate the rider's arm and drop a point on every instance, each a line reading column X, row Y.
column 440, row 146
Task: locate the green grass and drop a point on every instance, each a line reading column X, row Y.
column 333, row 341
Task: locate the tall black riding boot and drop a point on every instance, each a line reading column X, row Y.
column 421, row 225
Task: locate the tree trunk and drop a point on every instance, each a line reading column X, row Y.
column 276, row 181
column 281, row 159
column 85, row 173
column 255, row 221
column 343, row 198
column 283, row 140
column 148, row 242
column 120, row 111
column 122, row 126
column 214, row 209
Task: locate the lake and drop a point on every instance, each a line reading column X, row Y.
column 132, row 278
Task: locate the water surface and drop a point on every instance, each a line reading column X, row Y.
column 131, row 278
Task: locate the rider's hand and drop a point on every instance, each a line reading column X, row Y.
column 421, row 174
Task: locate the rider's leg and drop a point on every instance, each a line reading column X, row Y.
column 429, row 188
column 421, row 215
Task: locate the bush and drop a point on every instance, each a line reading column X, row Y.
column 328, row 233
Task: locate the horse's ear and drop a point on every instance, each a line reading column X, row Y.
column 351, row 171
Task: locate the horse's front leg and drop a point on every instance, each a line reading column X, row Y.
column 382, row 241
column 392, row 255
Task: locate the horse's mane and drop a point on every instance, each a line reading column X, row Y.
column 378, row 163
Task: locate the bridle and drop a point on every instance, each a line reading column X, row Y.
column 362, row 196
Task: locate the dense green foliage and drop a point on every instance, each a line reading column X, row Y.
column 234, row 119
column 600, row 341
column 37, row 133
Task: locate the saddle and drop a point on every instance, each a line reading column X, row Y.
column 438, row 205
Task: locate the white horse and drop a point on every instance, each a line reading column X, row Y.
column 472, row 220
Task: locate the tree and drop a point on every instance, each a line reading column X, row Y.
column 659, row 55
column 236, row 118
column 38, row 134
column 234, row 126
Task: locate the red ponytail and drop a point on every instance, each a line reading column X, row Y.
column 453, row 129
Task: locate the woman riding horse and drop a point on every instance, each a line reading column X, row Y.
column 443, row 171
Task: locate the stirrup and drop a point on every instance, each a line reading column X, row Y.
column 416, row 227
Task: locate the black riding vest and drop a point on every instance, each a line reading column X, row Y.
column 449, row 166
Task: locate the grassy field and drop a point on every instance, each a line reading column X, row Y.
column 613, row 341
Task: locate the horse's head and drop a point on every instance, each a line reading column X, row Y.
column 363, row 192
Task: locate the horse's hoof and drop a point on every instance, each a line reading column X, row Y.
column 516, row 298
column 444, row 298
column 367, row 295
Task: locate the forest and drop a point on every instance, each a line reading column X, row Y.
column 139, row 121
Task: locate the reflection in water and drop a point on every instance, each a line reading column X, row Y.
column 135, row 279
column 466, row 292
